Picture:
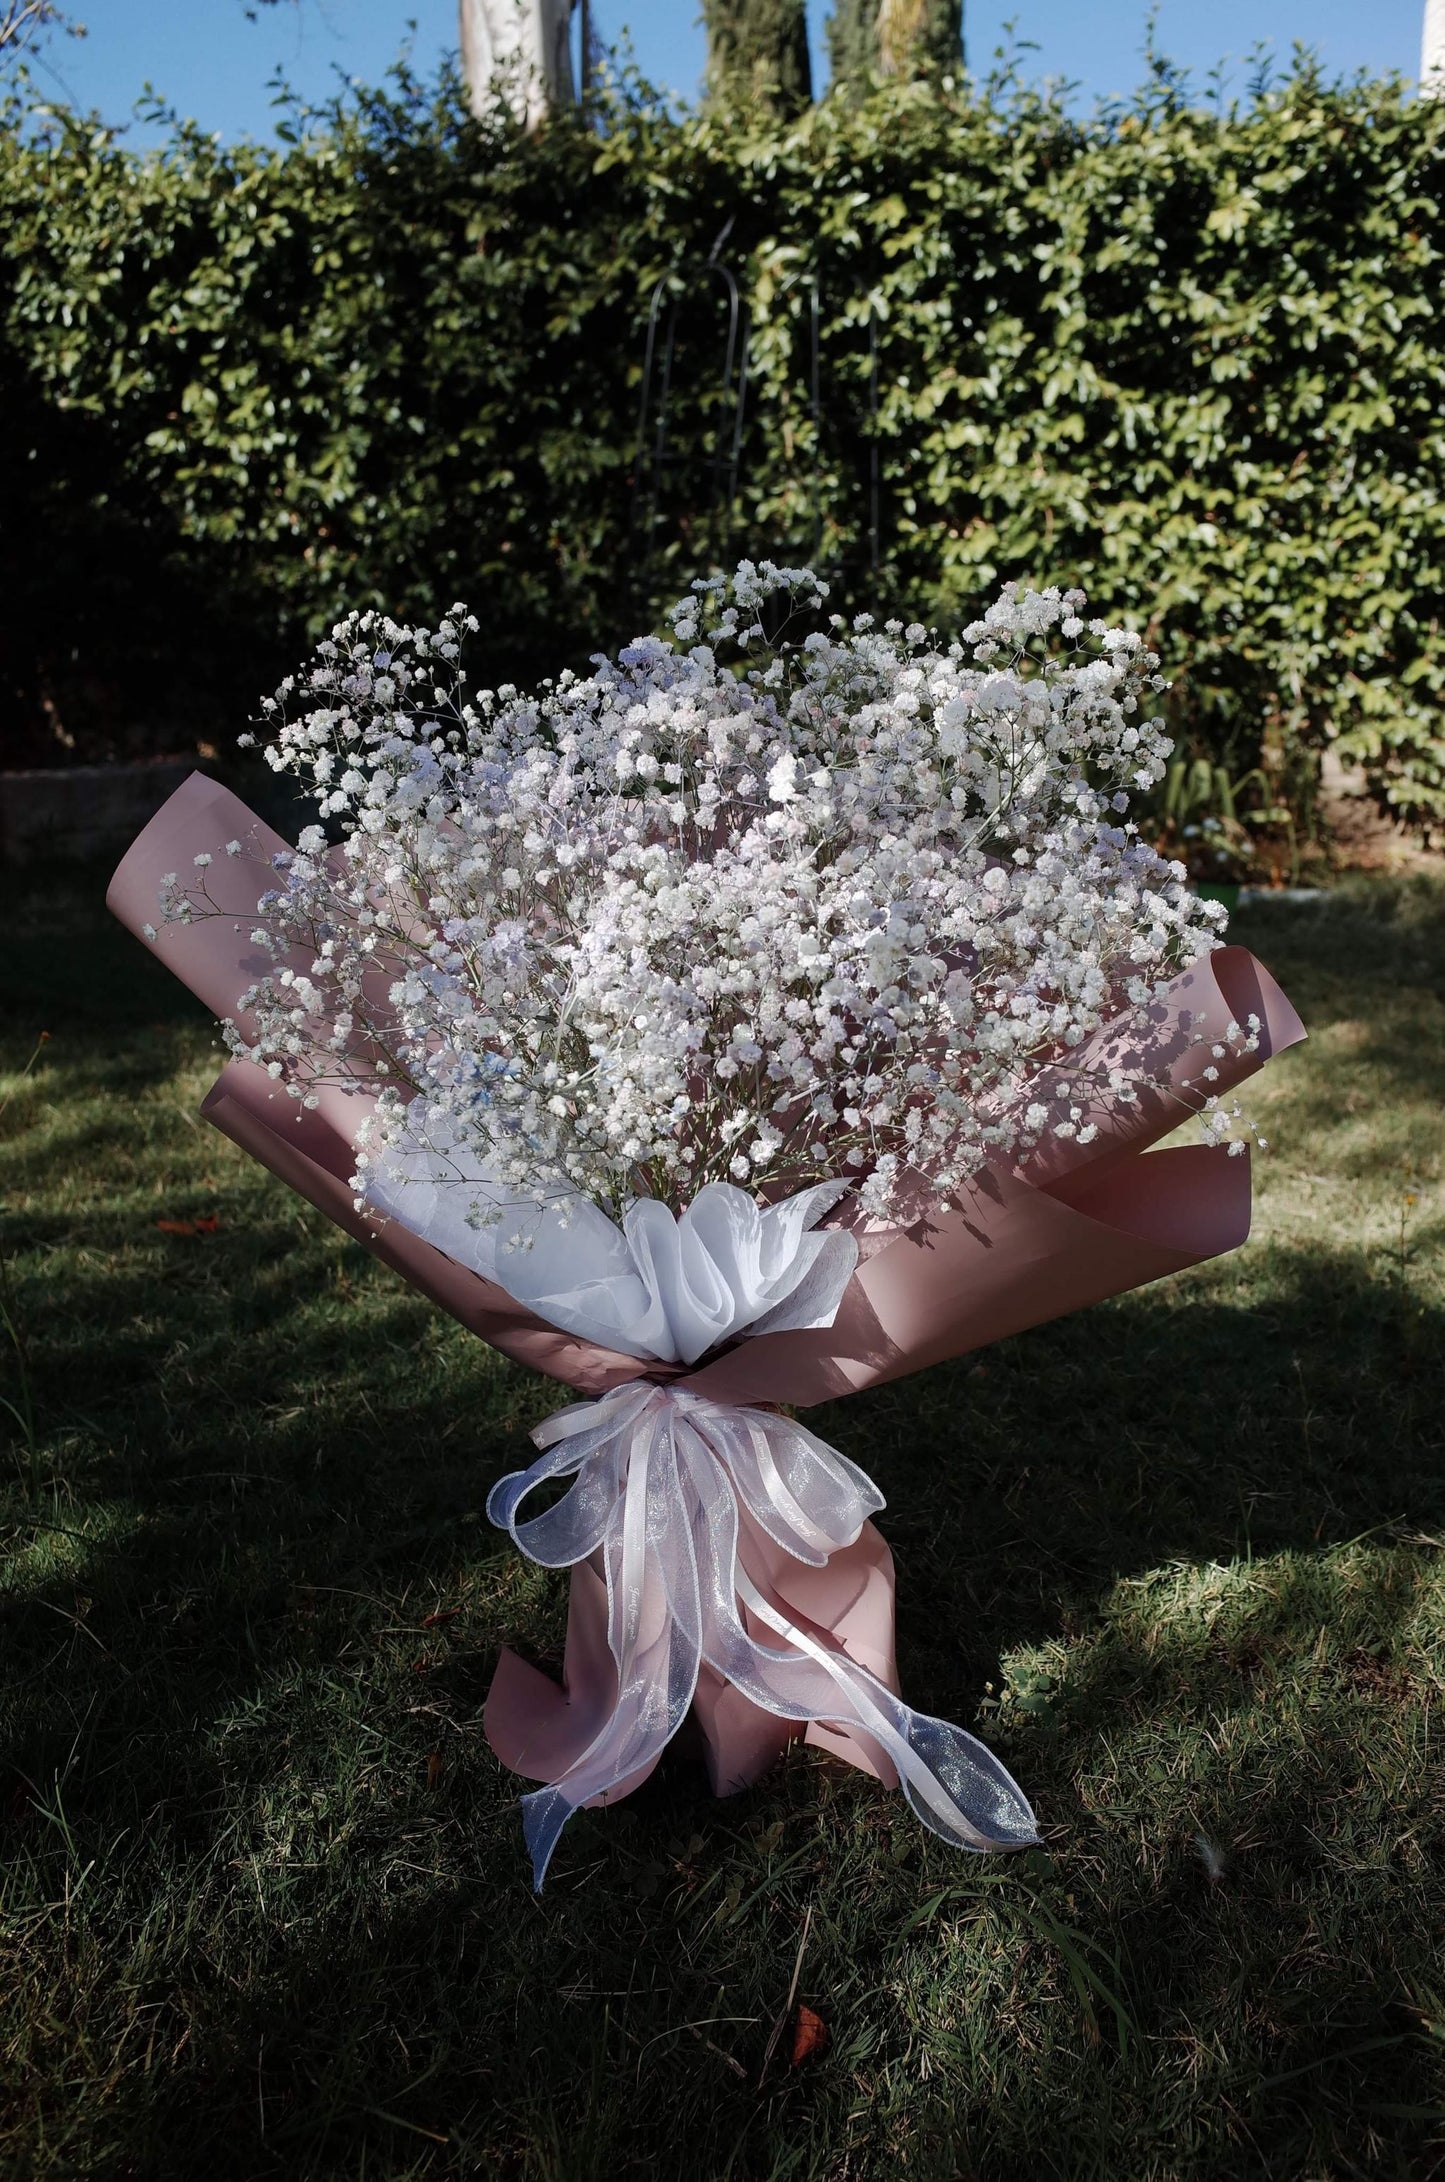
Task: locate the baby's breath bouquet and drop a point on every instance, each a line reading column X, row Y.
column 727, row 909
column 778, row 1006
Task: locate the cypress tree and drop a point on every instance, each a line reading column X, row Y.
column 757, row 53
column 853, row 40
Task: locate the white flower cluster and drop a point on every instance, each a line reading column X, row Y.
column 729, row 908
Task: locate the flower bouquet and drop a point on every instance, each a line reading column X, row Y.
column 779, row 1008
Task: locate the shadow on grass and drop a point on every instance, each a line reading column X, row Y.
column 267, row 1911
column 232, row 1665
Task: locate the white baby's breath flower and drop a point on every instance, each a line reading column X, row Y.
column 782, row 778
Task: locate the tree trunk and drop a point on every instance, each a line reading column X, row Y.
column 895, row 38
column 518, row 51
column 1432, row 51
column 757, row 53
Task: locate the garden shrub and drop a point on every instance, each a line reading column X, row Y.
column 1187, row 356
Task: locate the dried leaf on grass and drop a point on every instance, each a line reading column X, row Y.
column 810, row 2036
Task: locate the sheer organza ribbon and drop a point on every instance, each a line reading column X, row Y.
column 659, row 1475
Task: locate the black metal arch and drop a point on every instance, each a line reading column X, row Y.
column 651, row 465
column 655, row 456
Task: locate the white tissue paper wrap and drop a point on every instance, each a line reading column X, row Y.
column 660, row 1286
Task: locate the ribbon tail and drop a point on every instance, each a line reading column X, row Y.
column 654, row 1634
column 650, row 1710
column 541, row 1727
column 544, row 1813
column 953, row 1782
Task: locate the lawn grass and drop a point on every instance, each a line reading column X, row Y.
column 266, row 1910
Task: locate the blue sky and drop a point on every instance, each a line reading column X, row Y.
column 211, row 63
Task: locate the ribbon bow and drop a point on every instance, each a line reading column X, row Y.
column 659, row 1476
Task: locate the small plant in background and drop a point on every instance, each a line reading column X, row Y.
column 1224, row 830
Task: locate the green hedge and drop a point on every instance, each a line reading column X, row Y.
column 1190, row 358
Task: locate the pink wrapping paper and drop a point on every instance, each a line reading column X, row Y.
column 1070, row 1226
